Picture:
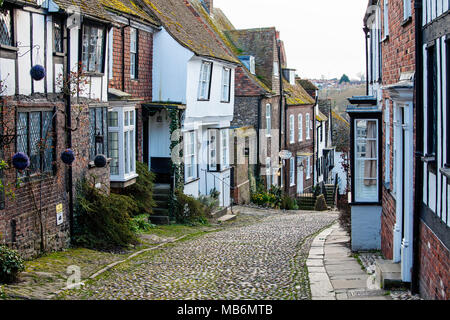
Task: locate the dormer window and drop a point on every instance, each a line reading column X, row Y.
column 58, row 35
column 249, row 63
column 93, row 47
column 205, row 81
column 6, row 27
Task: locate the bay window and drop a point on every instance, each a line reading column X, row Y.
column 300, row 127
column 291, row 129
column 225, row 152
column 366, row 160
column 122, row 143
column 190, row 163
column 218, row 149
column 97, row 132
column 205, row 81
column 93, row 47
column 212, row 150
column 226, row 84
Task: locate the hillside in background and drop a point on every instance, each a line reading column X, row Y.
column 339, row 95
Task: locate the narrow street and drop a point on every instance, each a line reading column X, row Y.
column 263, row 260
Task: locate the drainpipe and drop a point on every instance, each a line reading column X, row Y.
column 366, row 37
column 123, row 57
column 281, row 147
column 68, row 112
column 258, row 128
column 418, row 196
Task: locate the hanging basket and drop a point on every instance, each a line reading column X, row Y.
column 68, row 156
column 20, row 161
column 37, row 72
column 100, row 161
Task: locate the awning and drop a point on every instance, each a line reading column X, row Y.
column 150, row 108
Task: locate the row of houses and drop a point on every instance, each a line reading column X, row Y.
column 400, row 138
column 170, row 83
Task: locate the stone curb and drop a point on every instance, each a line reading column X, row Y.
column 321, row 287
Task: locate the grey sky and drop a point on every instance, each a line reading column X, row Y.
column 322, row 37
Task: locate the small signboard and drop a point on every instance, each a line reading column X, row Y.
column 59, row 214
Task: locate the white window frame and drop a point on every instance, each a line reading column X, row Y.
column 268, row 120
column 133, row 52
column 190, row 155
column 269, row 172
column 225, row 149
column 308, row 126
column 377, row 158
column 226, row 85
column 292, row 171
column 300, row 127
column 204, row 82
column 387, row 146
column 126, row 130
column 386, row 18
column 291, row 129
column 212, row 150
column 276, row 67
column 308, row 168
column 407, row 12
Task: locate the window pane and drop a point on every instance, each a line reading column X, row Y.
column 126, row 153
column 125, row 119
column 85, row 49
column 35, row 141
column 58, row 35
column 113, row 119
column 22, row 133
column 132, row 157
column 6, row 35
column 132, row 118
column 113, row 138
column 47, row 135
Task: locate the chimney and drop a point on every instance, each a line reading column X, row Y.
column 209, row 5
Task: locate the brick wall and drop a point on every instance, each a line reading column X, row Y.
column 141, row 87
column 398, row 56
column 305, row 146
column 434, row 267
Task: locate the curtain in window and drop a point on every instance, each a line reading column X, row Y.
column 370, row 165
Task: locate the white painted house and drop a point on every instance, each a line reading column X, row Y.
column 194, row 72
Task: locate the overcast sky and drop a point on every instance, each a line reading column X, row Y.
column 321, row 37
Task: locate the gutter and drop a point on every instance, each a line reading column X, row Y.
column 418, row 191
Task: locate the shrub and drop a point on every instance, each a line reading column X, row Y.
column 189, row 210
column 210, row 203
column 141, row 224
column 103, row 221
column 321, row 203
column 288, row 203
column 142, row 191
column 11, row 264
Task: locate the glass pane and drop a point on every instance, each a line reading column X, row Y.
column 22, row 133
column 85, row 49
column 113, row 142
column 58, row 36
column 113, row 119
column 47, row 135
column 99, row 129
column 132, row 157
column 6, row 37
column 132, row 118
column 35, row 141
column 125, row 119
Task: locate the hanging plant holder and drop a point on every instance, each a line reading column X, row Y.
column 37, row 72
column 68, row 156
column 100, row 161
column 20, row 161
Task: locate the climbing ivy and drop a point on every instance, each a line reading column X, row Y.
column 177, row 169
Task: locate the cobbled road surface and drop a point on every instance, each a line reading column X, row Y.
column 263, row 260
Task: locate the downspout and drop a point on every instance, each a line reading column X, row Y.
column 314, row 145
column 280, row 145
column 68, row 113
column 123, row 57
column 418, row 194
column 258, row 128
column 366, row 32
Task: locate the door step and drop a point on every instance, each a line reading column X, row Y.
column 388, row 274
column 227, row 217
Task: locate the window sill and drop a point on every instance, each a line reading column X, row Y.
column 224, row 101
column 8, row 48
column 406, row 21
column 446, row 173
column 59, row 54
column 198, row 99
column 94, row 74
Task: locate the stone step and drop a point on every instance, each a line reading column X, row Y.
column 388, row 274
column 227, row 217
column 162, row 204
column 159, row 219
column 161, row 211
column 161, row 197
column 219, row 213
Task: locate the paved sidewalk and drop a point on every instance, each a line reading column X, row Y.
column 334, row 274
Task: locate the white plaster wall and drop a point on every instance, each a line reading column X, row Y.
column 192, row 188
column 24, row 62
column 366, row 227
column 38, row 56
column 213, row 109
column 169, row 68
column 342, row 176
column 8, row 76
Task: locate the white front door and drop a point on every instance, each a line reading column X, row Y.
column 299, row 180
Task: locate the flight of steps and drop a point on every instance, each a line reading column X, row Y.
column 223, row 215
column 161, row 195
column 330, row 195
column 306, row 201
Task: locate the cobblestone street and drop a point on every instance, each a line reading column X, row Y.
column 263, row 260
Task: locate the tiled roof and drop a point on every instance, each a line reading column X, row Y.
column 130, row 7
column 91, row 8
column 296, row 95
column 307, row 84
column 246, row 82
column 260, row 43
column 185, row 25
